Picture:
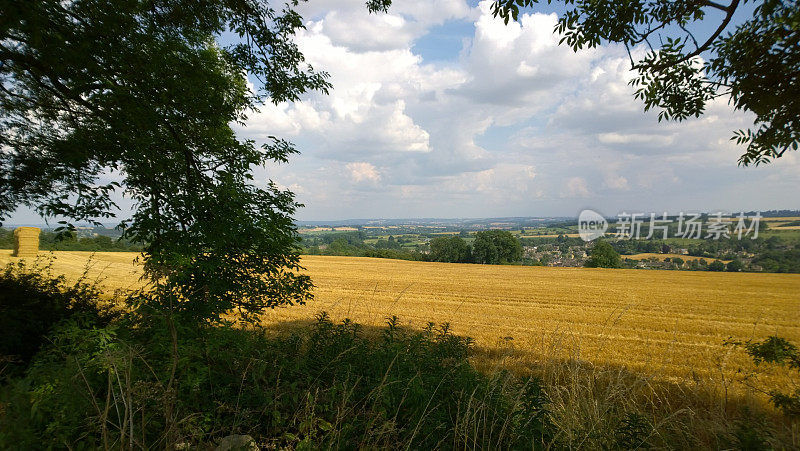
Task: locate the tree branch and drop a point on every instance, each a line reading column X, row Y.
column 730, row 10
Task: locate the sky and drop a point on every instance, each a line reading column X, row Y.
column 439, row 110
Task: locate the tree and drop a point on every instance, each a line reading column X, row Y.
column 495, row 247
column 734, row 265
column 390, row 243
column 142, row 91
column 603, row 256
column 450, row 249
column 756, row 66
column 716, row 265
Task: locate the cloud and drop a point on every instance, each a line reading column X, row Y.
column 615, row 181
column 363, row 171
column 520, row 66
column 635, row 138
column 514, row 125
column 575, row 187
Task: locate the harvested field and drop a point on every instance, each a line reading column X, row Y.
column 670, row 324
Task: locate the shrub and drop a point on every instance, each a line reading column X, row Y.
column 331, row 386
column 32, row 303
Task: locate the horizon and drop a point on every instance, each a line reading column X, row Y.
column 359, row 221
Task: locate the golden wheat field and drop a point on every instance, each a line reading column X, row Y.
column 670, row 324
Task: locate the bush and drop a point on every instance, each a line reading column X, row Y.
column 32, row 303
column 328, row 387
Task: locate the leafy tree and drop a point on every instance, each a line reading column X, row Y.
column 391, row 243
column 779, row 260
column 6, row 238
column 716, row 265
column 734, row 265
column 141, row 90
column 678, row 262
column 603, row 256
column 756, row 65
column 495, row 247
column 450, row 249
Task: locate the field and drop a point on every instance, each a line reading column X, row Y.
column 685, row 258
column 669, row 324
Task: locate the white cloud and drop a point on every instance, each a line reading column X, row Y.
column 615, row 181
column 635, row 138
column 575, row 187
column 363, row 171
column 517, row 125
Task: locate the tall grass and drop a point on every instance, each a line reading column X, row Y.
column 592, row 406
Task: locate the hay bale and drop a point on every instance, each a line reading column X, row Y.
column 26, row 241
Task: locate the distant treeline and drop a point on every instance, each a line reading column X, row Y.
column 772, row 254
column 488, row 247
column 50, row 241
column 352, row 244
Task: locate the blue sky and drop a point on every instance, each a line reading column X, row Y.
column 439, row 110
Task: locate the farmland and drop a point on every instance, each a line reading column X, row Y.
column 668, row 324
column 648, row 255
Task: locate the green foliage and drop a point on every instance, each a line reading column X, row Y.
column 143, row 92
column 716, row 265
column 734, row 265
column 752, row 433
column 328, row 387
column 779, row 260
column 778, row 351
column 71, row 242
column 389, row 243
column 759, row 63
column 452, row 249
column 755, row 66
column 774, row 350
column 352, row 244
column 632, row 432
column 6, row 238
column 603, row 256
column 495, row 247
column 32, row 303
